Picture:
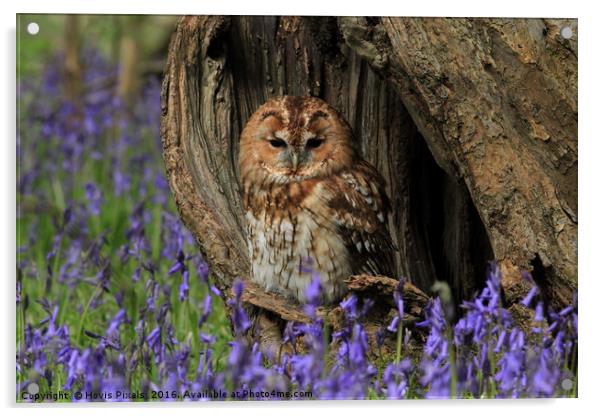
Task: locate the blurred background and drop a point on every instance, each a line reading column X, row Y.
column 111, row 286
column 137, row 44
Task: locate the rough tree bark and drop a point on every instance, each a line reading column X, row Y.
column 496, row 101
column 473, row 122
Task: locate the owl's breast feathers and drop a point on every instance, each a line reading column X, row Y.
column 340, row 222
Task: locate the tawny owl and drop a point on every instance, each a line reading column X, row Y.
column 310, row 200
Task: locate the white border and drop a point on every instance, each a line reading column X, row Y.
column 589, row 174
column 458, row 8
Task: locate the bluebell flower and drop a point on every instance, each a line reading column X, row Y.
column 184, row 286
column 95, row 198
column 532, row 292
column 240, row 318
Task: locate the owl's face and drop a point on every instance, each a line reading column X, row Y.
column 295, row 138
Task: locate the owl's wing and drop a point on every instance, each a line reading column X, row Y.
column 359, row 206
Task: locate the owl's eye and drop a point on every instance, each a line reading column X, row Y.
column 277, row 143
column 314, row 143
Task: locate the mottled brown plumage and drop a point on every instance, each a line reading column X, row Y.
column 310, row 200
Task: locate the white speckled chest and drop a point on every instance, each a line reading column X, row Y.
column 280, row 245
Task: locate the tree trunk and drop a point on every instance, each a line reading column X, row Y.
column 73, row 61
column 472, row 122
column 129, row 76
column 496, row 101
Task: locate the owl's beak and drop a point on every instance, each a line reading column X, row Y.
column 295, row 161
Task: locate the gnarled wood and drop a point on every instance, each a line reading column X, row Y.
column 376, row 287
column 496, row 100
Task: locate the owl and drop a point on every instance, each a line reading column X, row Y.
column 313, row 206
